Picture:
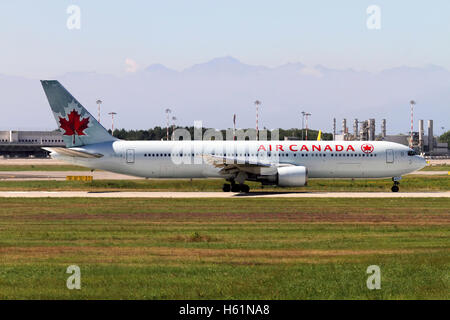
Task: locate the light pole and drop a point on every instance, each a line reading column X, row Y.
column 173, row 126
column 257, row 104
column 112, row 121
column 303, row 122
column 412, row 102
column 234, row 127
column 307, row 115
column 167, row 128
column 99, row 102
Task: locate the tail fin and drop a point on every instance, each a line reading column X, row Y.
column 319, row 136
column 78, row 126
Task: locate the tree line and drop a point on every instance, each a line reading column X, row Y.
column 160, row 133
column 445, row 137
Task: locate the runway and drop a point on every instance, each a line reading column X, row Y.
column 430, row 173
column 61, row 175
column 119, row 194
column 105, row 175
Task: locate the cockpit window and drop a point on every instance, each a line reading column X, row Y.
column 411, row 153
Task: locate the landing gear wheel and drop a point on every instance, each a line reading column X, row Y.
column 235, row 188
column 395, row 187
column 226, row 187
column 245, row 188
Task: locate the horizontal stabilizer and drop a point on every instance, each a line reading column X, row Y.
column 73, row 153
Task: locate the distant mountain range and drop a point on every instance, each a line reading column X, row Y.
column 213, row 91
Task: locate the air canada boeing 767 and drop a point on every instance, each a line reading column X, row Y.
column 282, row 163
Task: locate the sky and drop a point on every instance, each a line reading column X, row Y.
column 36, row 42
column 41, row 40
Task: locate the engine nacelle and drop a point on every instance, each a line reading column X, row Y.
column 295, row 176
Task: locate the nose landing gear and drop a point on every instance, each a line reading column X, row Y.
column 395, row 187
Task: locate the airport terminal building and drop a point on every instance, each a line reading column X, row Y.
column 14, row 143
column 23, row 144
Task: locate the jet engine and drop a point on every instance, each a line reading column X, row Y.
column 294, row 176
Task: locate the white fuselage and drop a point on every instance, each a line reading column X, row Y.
column 186, row 159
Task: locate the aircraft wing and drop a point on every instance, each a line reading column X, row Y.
column 73, row 153
column 234, row 165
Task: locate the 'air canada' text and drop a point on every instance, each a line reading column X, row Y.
column 303, row 147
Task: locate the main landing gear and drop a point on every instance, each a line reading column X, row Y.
column 395, row 187
column 233, row 187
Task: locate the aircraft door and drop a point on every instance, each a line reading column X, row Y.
column 389, row 156
column 130, row 155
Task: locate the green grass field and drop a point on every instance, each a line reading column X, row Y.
column 408, row 183
column 225, row 248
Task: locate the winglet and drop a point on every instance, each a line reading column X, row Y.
column 319, row 136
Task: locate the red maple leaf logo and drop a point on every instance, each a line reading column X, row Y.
column 75, row 125
column 367, row 148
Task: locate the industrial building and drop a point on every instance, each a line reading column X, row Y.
column 15, row 143
column 365, row 131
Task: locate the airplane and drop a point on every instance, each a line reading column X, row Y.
column 281, row 163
